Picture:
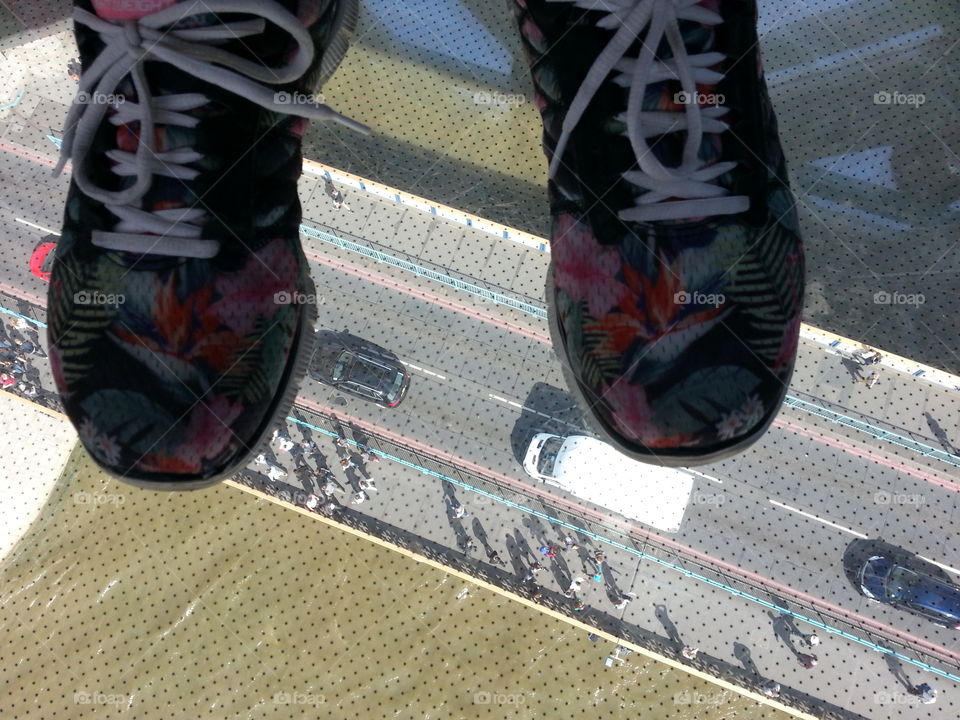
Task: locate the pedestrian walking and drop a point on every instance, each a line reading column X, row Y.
column 807, row 661
column 548, row 550
column 868, row 357
column 574, row 587
column 494, row 557
column 332, row 508
column 275, row 472
column 367, row 484
column 313, row 502
column 690, row 652
column 459, row 512
column 579, row 605
column 468, row 546
column 346, row 463
column 771, row 689
column 340, row 442
column 305, row 474
column 330, row 487
column 811, row 641
column 872, row 379
column 358, row 498
column 927, row 694
column 308, row 446
column 536, row 593
column 368, row 456
column 285, row 444
column 570, row 544
column 624, row 599
column 339, row 201
column 599, row 557
column 535, row 567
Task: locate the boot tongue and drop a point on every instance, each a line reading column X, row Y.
column 129, row 9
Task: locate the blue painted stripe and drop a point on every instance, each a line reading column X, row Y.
column 729, row 589
column 15, row 102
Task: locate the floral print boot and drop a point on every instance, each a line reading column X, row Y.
column 677, row 273
column 177, row 326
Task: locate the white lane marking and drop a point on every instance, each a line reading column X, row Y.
column 705, row 476
column 424, row 370
column 940, row 565
column 507, row 401
column 38, row 227
column 818, row 519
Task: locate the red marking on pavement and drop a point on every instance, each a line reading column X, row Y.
column 23, row 294
column 28, row 154
column 545, row 338
column 866, row 454
column 429, row 297
column 750, row 577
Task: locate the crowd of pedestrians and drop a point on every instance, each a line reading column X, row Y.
column 19, row 347
column 327, row 493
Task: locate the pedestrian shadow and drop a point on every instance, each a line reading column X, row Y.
column 449, row 494
column 560, row 569
column 896, row 669
column 516, row 555
column 523, row 546
column 306, row 479
column 337, row 427
column 359, row 436
column 480, row 534
column 672, row 633
column 536, row 529
column 784, row 628
column 940, row 434
column 853, row 367
column 742, row 653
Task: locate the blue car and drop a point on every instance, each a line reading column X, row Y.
column 883, row 580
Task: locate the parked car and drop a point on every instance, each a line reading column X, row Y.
column 41, row 259
column 884, row 580
column 359, row 368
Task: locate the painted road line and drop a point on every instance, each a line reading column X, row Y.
column 842, row 346
column 821, row 337
column 428, row 207
column 798, row 511
column 534, row 605
column 718, row 481
column 15, row 102
column 38, row 227
column 829, row 340
column 426, row 372
column 940, row 565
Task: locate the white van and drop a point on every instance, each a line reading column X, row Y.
column 594, row 471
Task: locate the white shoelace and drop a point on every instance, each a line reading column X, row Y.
column 692, row 180
column 176, row 232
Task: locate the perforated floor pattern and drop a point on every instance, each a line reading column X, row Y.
column 126, row 603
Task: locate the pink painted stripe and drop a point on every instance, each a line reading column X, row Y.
column 386, row 282
column 23, row 294
column 866, row 454
column 129, row 9
column 732, row 570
